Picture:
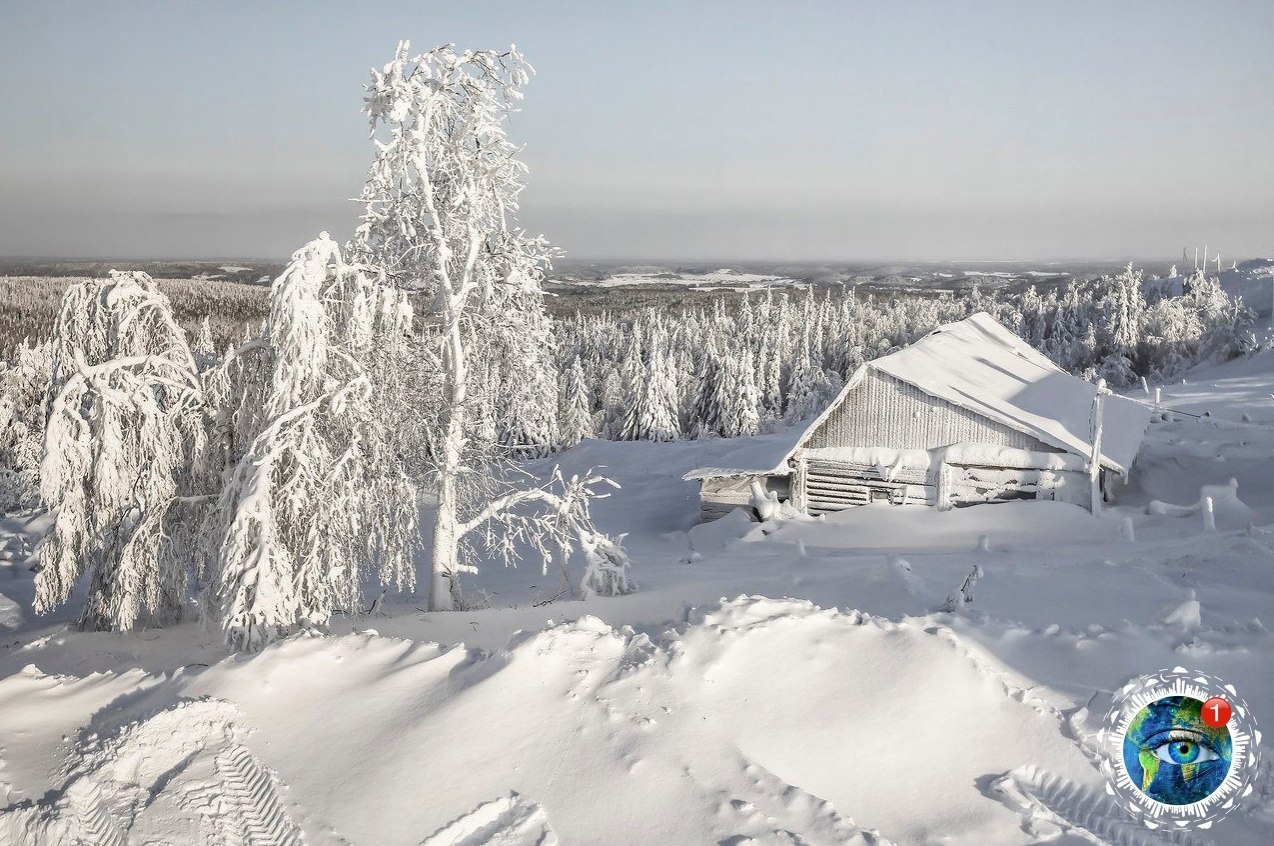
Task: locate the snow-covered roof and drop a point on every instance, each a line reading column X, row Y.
column 762, row 454
column 979, row 365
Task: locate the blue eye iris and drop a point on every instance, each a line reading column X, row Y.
column 1184, row 750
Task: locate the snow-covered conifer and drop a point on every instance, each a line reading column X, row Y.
column 204, row 350
column 577, row 415
column 809, row 389
column 769, row 387
column 652, row 410
column 740, row 416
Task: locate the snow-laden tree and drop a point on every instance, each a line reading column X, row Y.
column 125, row 421
column 440, row 206
column 652, row 402
column 523, row 351
column 315, row 496
column 202, row 347
column 769, row 384
column 577, row 406
column 611, row 399
column 24, row 382
column 708, row 412
column 809, row 388
column 740, row 416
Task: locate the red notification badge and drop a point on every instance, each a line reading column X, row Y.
column 1216, row 712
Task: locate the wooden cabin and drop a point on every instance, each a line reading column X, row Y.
column 968, row 414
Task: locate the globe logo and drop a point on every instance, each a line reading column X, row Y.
column 1173, row 755
column 1179, row 749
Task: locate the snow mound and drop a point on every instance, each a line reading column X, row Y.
column 507, row 821
column 717, row 534
column 1187, row 613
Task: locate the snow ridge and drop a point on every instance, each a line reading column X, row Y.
column 508, row 821
column 771, row 812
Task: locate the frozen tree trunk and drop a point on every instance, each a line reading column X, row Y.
column 446, row 546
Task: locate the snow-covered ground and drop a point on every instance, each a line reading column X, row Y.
column 773, row 684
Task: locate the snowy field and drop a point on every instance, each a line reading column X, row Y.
column 769, row 683
column 723, row 279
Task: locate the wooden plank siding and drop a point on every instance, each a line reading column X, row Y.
column 882, row 411
column 834, row 485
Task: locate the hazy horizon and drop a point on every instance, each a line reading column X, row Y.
column 661, row 132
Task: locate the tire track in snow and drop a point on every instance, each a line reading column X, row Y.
column 250, row 800
column 92, row 820
column 1048, row 802
column 177, row 770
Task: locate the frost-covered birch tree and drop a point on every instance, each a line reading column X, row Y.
column 440, row 206
column 315, row 496
column 125, row 420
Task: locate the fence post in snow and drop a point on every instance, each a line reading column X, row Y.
column 1094, row 458
column 1127, row 530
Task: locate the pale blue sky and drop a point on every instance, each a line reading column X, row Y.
column 713, row 130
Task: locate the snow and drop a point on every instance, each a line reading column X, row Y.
column 887, row 461
column 985, row 455
column 991, row 455
column 230, row 268
column 831, row 700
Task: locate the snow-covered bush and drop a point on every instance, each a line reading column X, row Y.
column 126, row 419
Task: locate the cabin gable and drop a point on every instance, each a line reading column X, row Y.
column 882, row 411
